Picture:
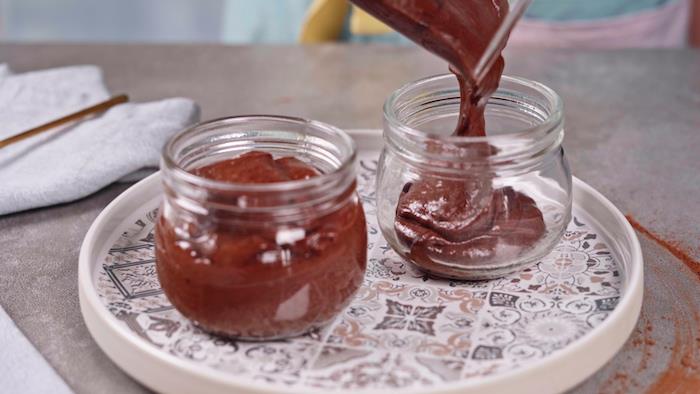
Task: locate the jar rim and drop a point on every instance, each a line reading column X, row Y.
column 168, row 162
column 554, row 118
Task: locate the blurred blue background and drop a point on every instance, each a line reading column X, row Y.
column 644, row 22
column 231, row 21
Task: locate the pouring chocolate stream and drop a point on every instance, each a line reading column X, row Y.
column 446, row 222
column 458, row 31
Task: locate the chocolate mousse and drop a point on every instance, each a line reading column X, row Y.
column 263, row 278
column 448, row 223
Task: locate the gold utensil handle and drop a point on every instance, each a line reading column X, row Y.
column 100, row 107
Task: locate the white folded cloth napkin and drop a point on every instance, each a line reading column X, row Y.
column 22, row 368
column 74, row 161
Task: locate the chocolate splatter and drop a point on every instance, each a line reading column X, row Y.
column 671, row 246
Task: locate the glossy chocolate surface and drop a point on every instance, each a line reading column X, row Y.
column 263, row 279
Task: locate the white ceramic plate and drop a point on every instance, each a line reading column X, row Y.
column 541, row 330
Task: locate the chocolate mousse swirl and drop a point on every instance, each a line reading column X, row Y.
column 447, row 222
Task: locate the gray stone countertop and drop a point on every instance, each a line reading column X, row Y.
column 632, row 132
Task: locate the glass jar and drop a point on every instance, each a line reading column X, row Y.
column 473, row 207
column 260, row 261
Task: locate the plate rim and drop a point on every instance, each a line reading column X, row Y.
column 177, row 375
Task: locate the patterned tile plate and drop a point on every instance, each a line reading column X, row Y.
column 404, row 329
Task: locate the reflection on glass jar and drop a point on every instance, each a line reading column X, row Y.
column 261, row 234
column 473, row 207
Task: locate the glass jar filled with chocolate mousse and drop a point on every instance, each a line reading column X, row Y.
column 473, row 207
column 261, row 234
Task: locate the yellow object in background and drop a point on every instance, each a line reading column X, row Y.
column 362, row 23
column 325, row 20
